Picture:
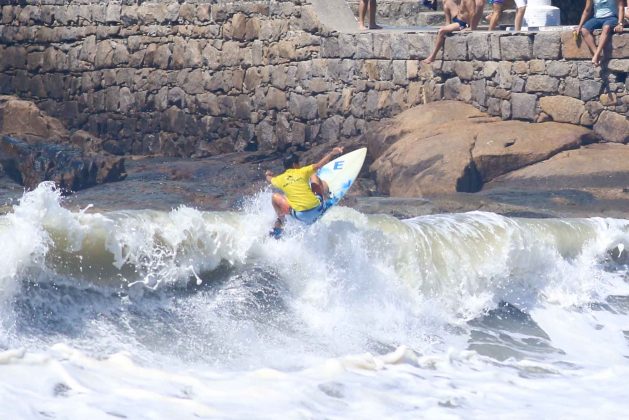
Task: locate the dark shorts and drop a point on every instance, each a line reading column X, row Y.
column 598, row 23
column 462, row 24
column 496, row 1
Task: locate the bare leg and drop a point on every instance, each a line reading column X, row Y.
column 281, row 207
column 478, row 13
column 519, row 16
column 362, row 11
column 441, row 39
column 495, row 16
column 372, row 15
column 589, row 40
column 596, row 58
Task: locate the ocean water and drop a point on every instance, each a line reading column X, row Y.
column 191, row 314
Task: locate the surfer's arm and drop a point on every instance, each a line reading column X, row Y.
column 269, row 176
column 325, row 159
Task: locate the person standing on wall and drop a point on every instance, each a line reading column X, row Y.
column 478, row 7
column 496, row 13
column 363, row 6
column 519, row 13
column 608, row 14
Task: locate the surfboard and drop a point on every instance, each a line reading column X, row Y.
column 341, row 173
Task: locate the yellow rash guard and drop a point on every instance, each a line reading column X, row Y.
column 295, row 185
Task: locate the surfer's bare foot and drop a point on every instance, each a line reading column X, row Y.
column 428, row 60
column 596, row 60
column 362, row 27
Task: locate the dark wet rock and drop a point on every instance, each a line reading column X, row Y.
column 67, row 166
column 35, row 147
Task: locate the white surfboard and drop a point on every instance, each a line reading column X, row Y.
column 341, row 173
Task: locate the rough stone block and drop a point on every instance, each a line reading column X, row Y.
column 516, row 47
column 541, row 83
column 455, row 48
column 619, row 65
column 558, row 68
column 363, row 45
column 620, row 46
column 399, row 72
column 412, row 69
column 520, row 67
column 490, row 68
column 571, row 49
column 504, row 77
column 464, row 69
column 399, row 47
column 518, row 84
column 479, row 92
column 494, row 47
column 347, row 45
column 276, row 99
column 113, row 12
column 571, row 87
column 382, row 45
column 547, row 45
column 523, row 106
column 586, row 70
column 304, row 107
column 493, row 106
column 537, row 66
column 505, row 110
column 420, row 45
column 452, row 88
column 613, row 127
column 563, row 108
column 590, row 89
column 478, row 46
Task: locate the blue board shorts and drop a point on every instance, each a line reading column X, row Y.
column 598, row 23
column 309, row 216
column 462, row 24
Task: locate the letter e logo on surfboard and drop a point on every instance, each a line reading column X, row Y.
column 341, row 173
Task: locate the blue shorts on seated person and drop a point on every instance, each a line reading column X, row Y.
column 598, row 23
column 309, row 216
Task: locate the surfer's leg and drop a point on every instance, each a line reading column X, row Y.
column 281, row 207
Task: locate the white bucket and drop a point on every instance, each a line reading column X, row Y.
column 542, row 16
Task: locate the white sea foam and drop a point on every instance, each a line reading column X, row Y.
column 355, row 317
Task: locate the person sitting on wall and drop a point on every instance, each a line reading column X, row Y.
column 458, row 14
column 608, row 14
column 363, row 6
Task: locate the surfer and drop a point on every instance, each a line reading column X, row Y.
column 304, row 193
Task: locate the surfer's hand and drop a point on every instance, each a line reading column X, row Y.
column 337, row 150
column 268, row 173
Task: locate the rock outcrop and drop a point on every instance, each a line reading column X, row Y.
column 451, row 147
column 35, row 147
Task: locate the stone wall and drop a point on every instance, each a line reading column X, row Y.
column 200, row 78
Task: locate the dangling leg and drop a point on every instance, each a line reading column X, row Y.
column 282, row 208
